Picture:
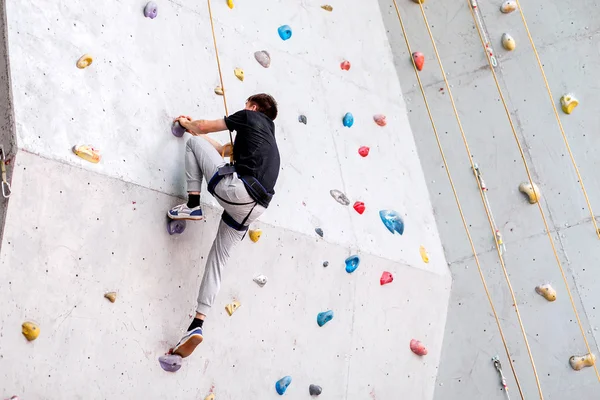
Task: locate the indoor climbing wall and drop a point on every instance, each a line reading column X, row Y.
column 503, row 124
column 357, row 284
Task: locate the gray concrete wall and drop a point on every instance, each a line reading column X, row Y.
column 566, row 36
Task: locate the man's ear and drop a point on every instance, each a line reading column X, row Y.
column 253, row 107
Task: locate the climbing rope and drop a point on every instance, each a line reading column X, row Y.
column 481, row 193
column 543, row 215
column 562, row 130
column 460, row 210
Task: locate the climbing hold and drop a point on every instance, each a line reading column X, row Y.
column 170, row 362
column 348, row 120
column 254, row 234
column 177, row 130
column 260, row 280
column 30, row 330
column 176, row 226
column 339, row 197
column 315, row 390
column 386, row 277
column 419, row 1
column 363, row 151
column 424, row 254
column 319, row 231
column 568, row 102
column 392, row 220
column 232, row 307
column 325, row 263
column 580, row 362
column 302, row 119
column 263, row 58
column 345, row 65
column 418, row 348
column 151, row 10
column 419, row 59
column 508, row 42
column 380, row 119
column 219, row 90
column 282, row 384
column 359, row 206
column 352, row 263
column 546, row 291
column 211, row 396
column 112, row 296
column 85, row 61
column 327, row 7
column 532, row 192
column 285, row 32
column 230, row 4
column 324, row 317
column 239, row 73
column 88, row 153
column 508, row 6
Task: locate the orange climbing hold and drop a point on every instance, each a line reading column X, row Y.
column 380, row 119
column 88, row 153
column 419, row 59
column 418, row 348
column 345, row 65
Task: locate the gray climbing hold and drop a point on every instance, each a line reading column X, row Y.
column 302, row 119
column 315, row 390
column 263, row 58
column 339, row 197
column 326, row 264
column 319, row 231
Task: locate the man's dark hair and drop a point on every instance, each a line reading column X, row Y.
column 265, row 103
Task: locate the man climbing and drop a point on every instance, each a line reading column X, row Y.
column 243, row 189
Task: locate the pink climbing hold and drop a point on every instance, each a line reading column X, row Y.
column 419, row 59
column 386, row 278
column 418, row 348
column 345, row 65
column 363, row 151
column 380, row 120
column 359, row 206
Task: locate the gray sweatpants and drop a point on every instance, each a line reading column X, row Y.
column 203, row 160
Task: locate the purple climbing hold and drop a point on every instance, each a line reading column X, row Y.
column 170, row 362
column 339, row 197
column 282, row 384
column 151, row 10
column 285, row 32
column 348, row 120
column 352, row 263
column 392, row 220
column 315, row 390
column 324, row 317
column 176, row 226
column 177, row 129
column 319, row 231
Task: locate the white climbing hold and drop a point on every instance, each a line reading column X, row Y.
column 508, row 6
column 260, row 280
column 580, row 362
column 508, row 42
column 263, row 57
column 532, row 192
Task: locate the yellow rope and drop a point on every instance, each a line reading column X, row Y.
column 487, row 211
column 460, row 210
column 538, row 203
column 562, row 130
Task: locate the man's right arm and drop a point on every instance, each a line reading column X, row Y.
column 202, row 127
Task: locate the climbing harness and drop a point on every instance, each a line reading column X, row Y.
column 6, row 190
column 484, row 189
column 460, row 210
column 498, row 366
column 488, row 45
column 541, row 210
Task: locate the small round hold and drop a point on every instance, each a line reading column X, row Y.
column 285, row 32
column 508, row 6
column 151, row 10
column 84, row 61
column 177, row 130
column 345, row 65
column 263, row 57
column 170, row 362
column 30, row 330
column 176, row 226
column 325, row 264
column 364, row 151
column 219, row 90
column 302, row 119
column 315, row 390
column 508, row 42
column 359, row 207
column 380, row 119
column 418, row 348
column 254, row 234
column 348, row 120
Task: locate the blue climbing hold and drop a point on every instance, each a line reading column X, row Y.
column 348, row 120
column 282, row 384
column 319, row 232
column 285, row 32
column 392, row 220
column 324, row 317
column 352, row 263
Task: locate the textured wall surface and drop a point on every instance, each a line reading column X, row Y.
column 92, row 228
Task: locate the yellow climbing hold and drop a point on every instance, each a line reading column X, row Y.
column 239, row 73
column 210, row 397
column 219, row 90
column 508, row 42
column 546, row 291
column 580, row 362
column 88, row 153
column 230, row 4
column 30, row 330
column 424, row 254
column 231, row 308
column 532, row 192
column 254, row 234
column 85, row 61
column 112, row 296
column 419, row 1
column 327, row 7
column 568, row 102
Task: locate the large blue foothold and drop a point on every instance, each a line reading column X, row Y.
column 352, row 263
column 285, row 32
column 348, row 120
column 392, row 220
column 282, row 384
column 324, row 317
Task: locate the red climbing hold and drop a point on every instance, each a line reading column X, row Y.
column 345, row 65
column 386, row 277
column 380, row 119
column 419, row 60
column 359, row 206
column 418, row 348
column 364, row 151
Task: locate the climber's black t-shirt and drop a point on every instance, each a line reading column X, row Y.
column 255, row 150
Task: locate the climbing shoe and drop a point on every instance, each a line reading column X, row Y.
column 182, row 211
column 188, row 343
